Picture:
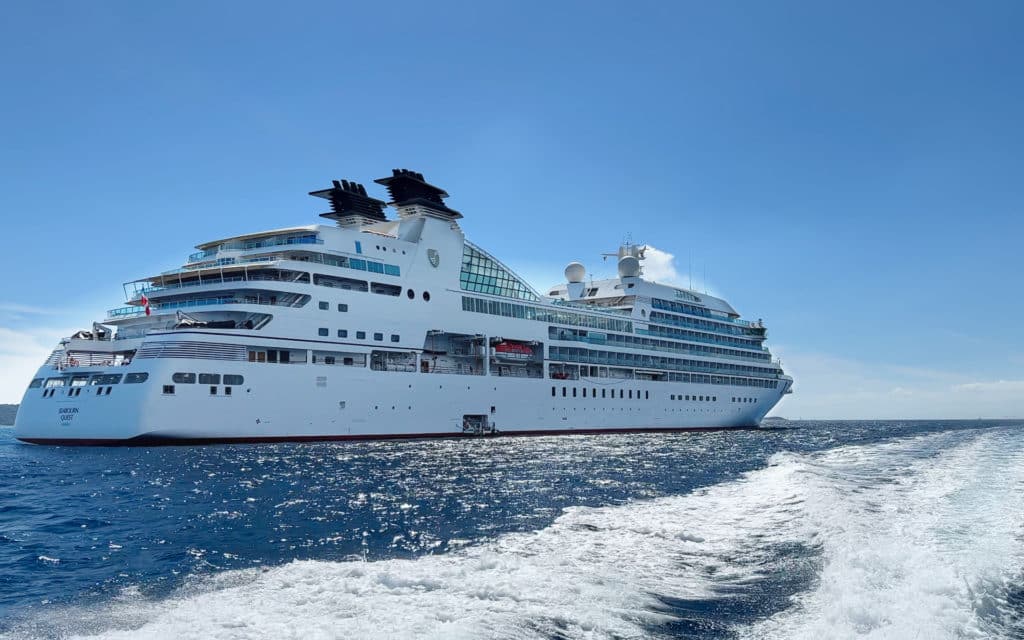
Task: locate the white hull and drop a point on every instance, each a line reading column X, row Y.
column 369, row 404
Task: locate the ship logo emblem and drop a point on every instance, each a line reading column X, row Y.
column 434, row 257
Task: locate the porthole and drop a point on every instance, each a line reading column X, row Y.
column 426, row 296
column 410, row 293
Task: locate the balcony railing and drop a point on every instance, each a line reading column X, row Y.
column 274, row 301
column 251, row 277
column 274, row 241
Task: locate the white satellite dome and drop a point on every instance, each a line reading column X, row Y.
column 575, row 272
column 629, row 267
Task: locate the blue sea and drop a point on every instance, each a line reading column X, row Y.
column 811, row 530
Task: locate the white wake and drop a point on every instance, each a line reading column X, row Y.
column 916, row 538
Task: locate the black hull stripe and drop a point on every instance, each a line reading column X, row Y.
column 158, row 441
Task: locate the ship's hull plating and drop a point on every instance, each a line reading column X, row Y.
column 282, row 402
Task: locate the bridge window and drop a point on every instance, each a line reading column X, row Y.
column 136, row 378
column 233, row 379
column 209, row 378
column 184, row 378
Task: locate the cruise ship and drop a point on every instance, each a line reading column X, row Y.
column 368, row 326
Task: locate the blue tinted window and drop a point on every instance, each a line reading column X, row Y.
column 359, row 247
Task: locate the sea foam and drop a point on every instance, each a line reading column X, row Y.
column 915, row 538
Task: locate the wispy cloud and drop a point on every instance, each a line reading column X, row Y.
column 22, row 351
column 661, row 266
column 828, row 386
column 24, row 309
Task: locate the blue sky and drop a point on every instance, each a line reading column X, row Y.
column 850, row 172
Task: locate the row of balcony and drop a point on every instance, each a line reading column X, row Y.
column 243, row 245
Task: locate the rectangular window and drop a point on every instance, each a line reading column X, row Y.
column 324, row 305
column 168, row 389
column 630, row 394
column 563, row 392
column 184, row 378
column 359, row 247
column 385, row 289
column 35, row 384
column 261, row 356
column 394, row 337
column 552, row 392
column 584, row 392
column 227, row 391
column 272, row 355
column 322, row 331
column 342, row 307
column 602, row 392
column 209, row 378
column 342, row 333
column 233, row 379
column 360, row 335
column 574, row 392
column 213, row 390
column 136, row 378
column 378, row 336
column 392, row 270
column 647, row 395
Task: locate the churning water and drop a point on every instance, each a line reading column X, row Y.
column 819, row 530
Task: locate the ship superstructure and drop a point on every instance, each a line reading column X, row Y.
column 370, row 327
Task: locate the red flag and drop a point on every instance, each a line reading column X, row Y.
column 145, row 303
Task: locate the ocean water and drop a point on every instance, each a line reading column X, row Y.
column 815, row 530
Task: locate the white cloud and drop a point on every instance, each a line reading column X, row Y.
column 660, row 266
column 831, row 387
column 999, row 386
column 22, row 351
column 23, row 309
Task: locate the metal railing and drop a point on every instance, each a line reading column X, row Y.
column 285, row 301
column 275, row 241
